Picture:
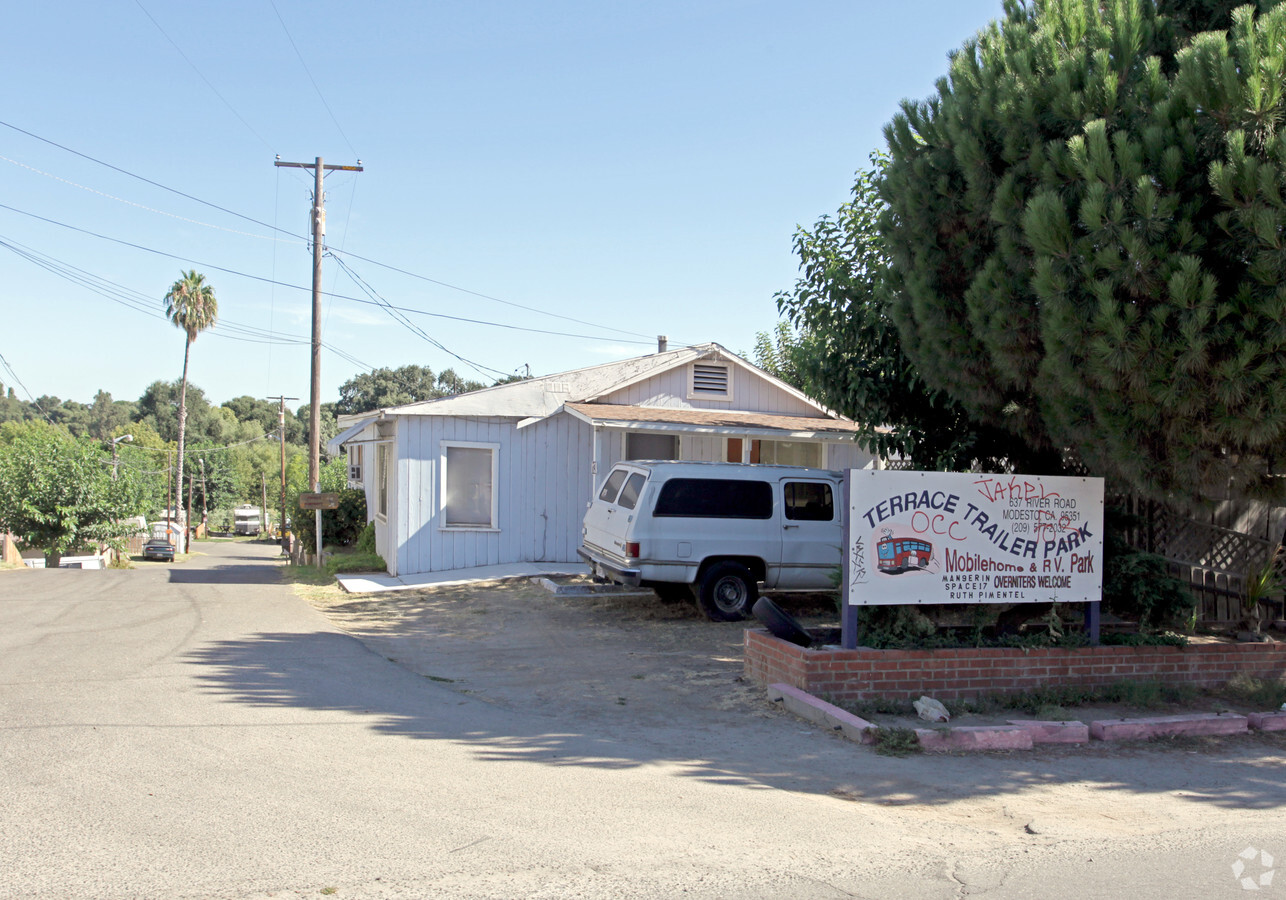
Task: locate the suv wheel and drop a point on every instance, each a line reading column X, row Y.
column 727, row 592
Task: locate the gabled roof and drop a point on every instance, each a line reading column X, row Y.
column 545, row 395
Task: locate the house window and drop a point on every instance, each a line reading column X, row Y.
column 468, row 485
column 710, row 381
column 787, row 453
column 381, row 474
column 734, row 450
column 650, row 445
column 355, row 463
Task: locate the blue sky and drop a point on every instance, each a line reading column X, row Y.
column 635, row 169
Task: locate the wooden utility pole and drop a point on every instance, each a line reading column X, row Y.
column 281, row 433
column 187, row 539
column 319, row 235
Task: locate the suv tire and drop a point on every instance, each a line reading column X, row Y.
column 727, row 592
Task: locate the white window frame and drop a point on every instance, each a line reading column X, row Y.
column 443, row 446
column 694, row 394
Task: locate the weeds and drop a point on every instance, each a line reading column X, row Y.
column 1255, row 692
column 896, row 741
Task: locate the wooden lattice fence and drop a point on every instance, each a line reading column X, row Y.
column 1214, row 559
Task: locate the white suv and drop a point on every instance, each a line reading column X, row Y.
column 716, row 530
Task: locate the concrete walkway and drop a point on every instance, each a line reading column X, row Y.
column 374, row 584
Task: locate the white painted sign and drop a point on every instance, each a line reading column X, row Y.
column 946, row 537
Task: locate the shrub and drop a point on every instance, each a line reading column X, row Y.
column 340, row 527
column 366, row 539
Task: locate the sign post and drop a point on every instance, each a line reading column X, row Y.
column 946, row 537
column 319, row 501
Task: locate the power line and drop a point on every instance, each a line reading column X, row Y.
column 407, row 323
column 275, row 228
column 208, row 84
column 260, row 278
column 311, row 79
column 142, row 303
column 159, row 212
column 473, row 293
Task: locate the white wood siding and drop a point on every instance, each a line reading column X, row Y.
column 542, row 486
column 750, row 393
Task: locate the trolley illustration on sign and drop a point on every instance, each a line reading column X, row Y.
column 902, row 554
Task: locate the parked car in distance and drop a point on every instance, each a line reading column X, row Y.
column 716, row 531
column 159, row 548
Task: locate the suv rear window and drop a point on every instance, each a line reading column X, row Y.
column 612, row 486
column 630, row 493
column 714, row 498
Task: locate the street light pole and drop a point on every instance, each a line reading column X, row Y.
column 115, row 441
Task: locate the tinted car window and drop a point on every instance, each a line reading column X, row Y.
column 612, row 485
column 630, row 493
column 714, row 498
column 809, row 501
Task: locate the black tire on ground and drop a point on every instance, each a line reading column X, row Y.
column 727, row 592
column 781, row 623
column 673, row 593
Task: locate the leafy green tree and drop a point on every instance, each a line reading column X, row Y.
column 1084, row 236
column 383, row 388
column 779, row 354
column 266, row 413
column 106, row 415
column 57, row 492
column 848, row 354
column 11, row 408
column 191, row 307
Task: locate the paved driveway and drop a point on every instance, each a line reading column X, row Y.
column 200, row 731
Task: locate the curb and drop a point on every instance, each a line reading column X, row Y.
column 806, row 706
column 1023, row 734
column 1164, row 726
column 974, row 737
column 1043, row 732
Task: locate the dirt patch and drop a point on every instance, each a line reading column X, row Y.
column 516, row 644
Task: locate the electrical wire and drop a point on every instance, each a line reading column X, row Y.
column 146, row 305
column 159, row 212
column 275, row 228
column 260, row 278
column 407, row 323
column 309, row 73
column 208, row 84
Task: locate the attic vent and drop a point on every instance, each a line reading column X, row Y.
column 710, row 379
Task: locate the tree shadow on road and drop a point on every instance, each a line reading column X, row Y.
column 327, row 671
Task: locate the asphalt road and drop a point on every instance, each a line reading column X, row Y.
column 199, row 731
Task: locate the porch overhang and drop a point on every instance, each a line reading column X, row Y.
column 709, row 421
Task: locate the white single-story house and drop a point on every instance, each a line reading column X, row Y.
column 504, row 474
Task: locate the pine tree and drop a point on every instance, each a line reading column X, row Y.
column 1087, row 236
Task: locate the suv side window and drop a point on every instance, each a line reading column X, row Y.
column 714, row 498
column 612, row 485
column 630, row 493
column 809, row 501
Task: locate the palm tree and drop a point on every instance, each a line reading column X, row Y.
column 191, row 307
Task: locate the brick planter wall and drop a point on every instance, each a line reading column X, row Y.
column 864, row 674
